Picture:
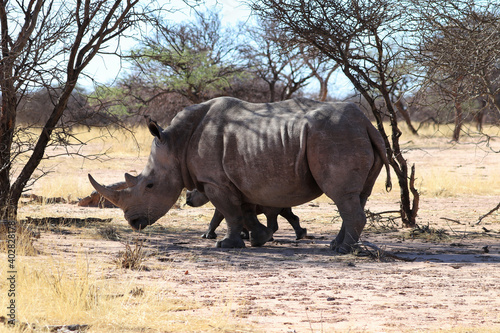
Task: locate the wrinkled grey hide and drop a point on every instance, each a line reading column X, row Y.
column 243, row 154
column 195, row 198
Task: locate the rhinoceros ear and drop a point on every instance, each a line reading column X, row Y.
column 154, row 128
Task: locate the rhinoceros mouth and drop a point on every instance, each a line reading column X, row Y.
column 140, row 223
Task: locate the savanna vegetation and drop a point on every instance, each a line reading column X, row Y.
column 426, row 73
column 393, row 58
column 168, row 279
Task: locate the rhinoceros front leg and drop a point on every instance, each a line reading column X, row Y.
column 258, row 233
column 214, row 224
column 233, row 235
column 227, row 204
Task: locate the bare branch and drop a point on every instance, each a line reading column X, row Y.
column 481, row 218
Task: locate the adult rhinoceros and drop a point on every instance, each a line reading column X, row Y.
column 243, row 154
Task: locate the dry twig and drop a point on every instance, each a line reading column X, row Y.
column 488, row 214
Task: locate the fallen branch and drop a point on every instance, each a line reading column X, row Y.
column 487, row 214
column 386, row 222
column 451, row 220
column 66, row 221
column 379, row 254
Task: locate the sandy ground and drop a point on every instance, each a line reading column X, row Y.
column 444, row 276
column 436, row 280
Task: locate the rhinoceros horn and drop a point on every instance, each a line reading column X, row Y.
column 112, row 195
column 131, row 180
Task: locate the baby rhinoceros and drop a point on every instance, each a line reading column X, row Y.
column 196, row 198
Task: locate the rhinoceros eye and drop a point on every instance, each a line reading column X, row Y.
column 150, row 185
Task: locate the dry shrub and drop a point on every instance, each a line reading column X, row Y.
column 109, row 233
column 132, row 257
column 428, row 233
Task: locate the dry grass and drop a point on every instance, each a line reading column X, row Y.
column 51, row 292
column 449, row 169
column 25, row 236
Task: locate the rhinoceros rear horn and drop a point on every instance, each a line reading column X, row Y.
column 111, row 195
column 131, row 180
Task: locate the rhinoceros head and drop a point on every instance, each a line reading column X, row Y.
column 154, row 191
column 195, row 198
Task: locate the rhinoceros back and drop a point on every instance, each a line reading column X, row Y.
column 261, row 149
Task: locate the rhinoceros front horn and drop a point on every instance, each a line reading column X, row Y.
column 111, row 195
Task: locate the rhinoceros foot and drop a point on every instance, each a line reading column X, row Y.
column 261, row 236
column 244, row 234
column 230, row 243
column 209, row 235
column 301, row 233
column 342, row 248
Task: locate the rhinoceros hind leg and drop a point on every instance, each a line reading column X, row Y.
column 294, row 222
column 353, row 222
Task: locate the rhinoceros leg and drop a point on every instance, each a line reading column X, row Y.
column 272, row 220
column 214, row 224
column 228, row 205
column 351, row 209
column 259, row 234
column 294, row 222
column 238, row 216
column 353, row 222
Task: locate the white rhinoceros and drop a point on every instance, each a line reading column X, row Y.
column 243, row 154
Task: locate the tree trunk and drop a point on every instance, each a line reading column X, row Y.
column 478, row 117
column 458, row 121
column 323, row 90
column 272, row 91
column 409, row 207
column 404, row 112
column 8, row 209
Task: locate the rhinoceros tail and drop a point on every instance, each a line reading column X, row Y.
column 379, row 146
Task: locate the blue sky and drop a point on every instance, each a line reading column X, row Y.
column 106, row 69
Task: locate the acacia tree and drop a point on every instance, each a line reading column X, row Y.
column 195, row 59
column 321, row 68
column 47, row 43
column 275, row 58
column 459, row 48
column 363, row 38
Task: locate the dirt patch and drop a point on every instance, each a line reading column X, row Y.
column 448, row 280
column 443, row 275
